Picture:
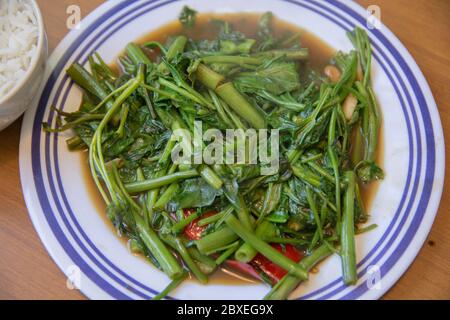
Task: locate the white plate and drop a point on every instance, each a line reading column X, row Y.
column 78, row 238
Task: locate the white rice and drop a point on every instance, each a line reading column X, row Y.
column 18, row 41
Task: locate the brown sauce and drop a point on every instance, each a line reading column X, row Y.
column 320, row 55
column 247, row 23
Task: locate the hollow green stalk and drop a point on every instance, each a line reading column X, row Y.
column 246, row 252
column 172, row 286
column 288, row 283
column 240, row 105
column 216, row 240
column 348, row 255
column 265, row 249
column 149, row 184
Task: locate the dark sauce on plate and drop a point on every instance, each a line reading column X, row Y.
column 320, row 55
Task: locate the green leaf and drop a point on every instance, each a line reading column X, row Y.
column 277, row 78
column 278, row 217
column 187, row 17
column 265, row 31
column 195, row 193
column 368, row 171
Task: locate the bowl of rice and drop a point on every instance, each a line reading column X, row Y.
column 23, row 52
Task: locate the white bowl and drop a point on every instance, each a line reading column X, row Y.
column 15, row 102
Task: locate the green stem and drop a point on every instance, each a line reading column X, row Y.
column 166, row 196
column 123, row 118
column 313, row 206
column 310, row 158
column 306, row 176
column 216, row 240
column 178, row 245
column 137, row 56
column 180, row 225
column 297, row 54
column 239, row 60
column 221, row 110
column 243, row 213
column 288, row 283
column 373, row 129
column 75, row 143
column 291, row 105
column 172, row 286
column 182, row 91
column 80, row 120
column 240, row 105
column 161, row 92
column 164, row 257
column 96, row 159
column 176, row 47
column 86, row 81
column 208, row 77
column 357, row 151
column 246, row 252
column 366, row 229
column 332, row 155
column 227, row 253
column 322, row 171
column 348, row 255
column 211, row 219
column 210, row 176
column 265, row 249
column 205, row 260
column 157, row 44
column 143, row 197
column 149, row 184
column 293, row 241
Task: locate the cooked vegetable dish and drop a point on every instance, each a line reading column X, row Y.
column 191, row 218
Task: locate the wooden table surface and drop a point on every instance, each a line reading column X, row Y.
column 28, row 272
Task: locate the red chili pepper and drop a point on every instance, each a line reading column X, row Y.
column 193, row 231
column 274, row 271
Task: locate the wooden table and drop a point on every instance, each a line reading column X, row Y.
column 28, row 272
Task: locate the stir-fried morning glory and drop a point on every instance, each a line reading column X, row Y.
column 192, row 217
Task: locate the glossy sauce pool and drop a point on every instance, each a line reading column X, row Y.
column 320, row 55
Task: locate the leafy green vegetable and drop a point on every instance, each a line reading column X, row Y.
column 369, row 171
column 129, row 122
column 187, row 17
column 265, row 31
column 276, row 78
column 194, row 193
